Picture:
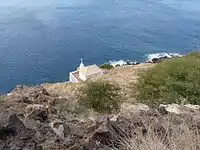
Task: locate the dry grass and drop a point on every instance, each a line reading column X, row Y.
column 126, row 74
column 64, row 89
column 181, row 139
column 120, row 75
column 176, row 137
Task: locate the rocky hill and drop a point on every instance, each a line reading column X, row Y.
column 49, row 117
column 32, row 118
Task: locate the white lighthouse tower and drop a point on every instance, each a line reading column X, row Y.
column 81, row 64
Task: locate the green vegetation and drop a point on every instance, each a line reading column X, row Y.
column 102, row 96
column 106, row 66
column 67, row 106
column 172, row 81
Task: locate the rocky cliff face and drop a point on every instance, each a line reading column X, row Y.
column 31, row 120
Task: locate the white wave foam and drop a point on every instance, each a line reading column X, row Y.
column 121, row 63
column 162, row 55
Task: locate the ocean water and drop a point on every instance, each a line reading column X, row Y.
column 42, row 41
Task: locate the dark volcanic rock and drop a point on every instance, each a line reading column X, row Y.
column 31, row 95
column 16, row 136
column 162, row 110
column 158, row 60
column 36, row 111
column 58, row 134
column 34, row 127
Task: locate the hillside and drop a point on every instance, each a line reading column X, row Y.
column 55, row 117
column 33, row 119
column 121, row 75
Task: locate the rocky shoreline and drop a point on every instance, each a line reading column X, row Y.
column 152, row 58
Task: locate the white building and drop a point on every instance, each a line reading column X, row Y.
column 84, row 73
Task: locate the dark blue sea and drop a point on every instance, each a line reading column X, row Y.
column 43, row 40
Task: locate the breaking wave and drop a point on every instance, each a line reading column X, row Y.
column 162, row 55
column 122, row 63
column 148, row 57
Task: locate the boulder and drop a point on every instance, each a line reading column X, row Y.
column 17, row 136
column 14, row 125
column 162, row 110
column 57, row 126
column 36, row 111
column 178, row 109
column 171, row 108
column 155, row 60
column 73, row 129
column 194, row 107
column 100, row 133
column 128, row 109
column 4, row 117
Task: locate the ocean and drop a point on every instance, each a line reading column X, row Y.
column 42, row 41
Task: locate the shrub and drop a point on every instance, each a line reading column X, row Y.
column 171, row 81
column 106, row 66
column 100, row 95
column 65, row 107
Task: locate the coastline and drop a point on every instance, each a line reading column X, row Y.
column 122, row 74
column 151, row 59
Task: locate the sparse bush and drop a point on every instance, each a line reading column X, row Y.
column 171, row 81
column 69, row 106
column 102, row 96
column 106, row 66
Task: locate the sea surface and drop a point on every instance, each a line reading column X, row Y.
column 43, row 40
